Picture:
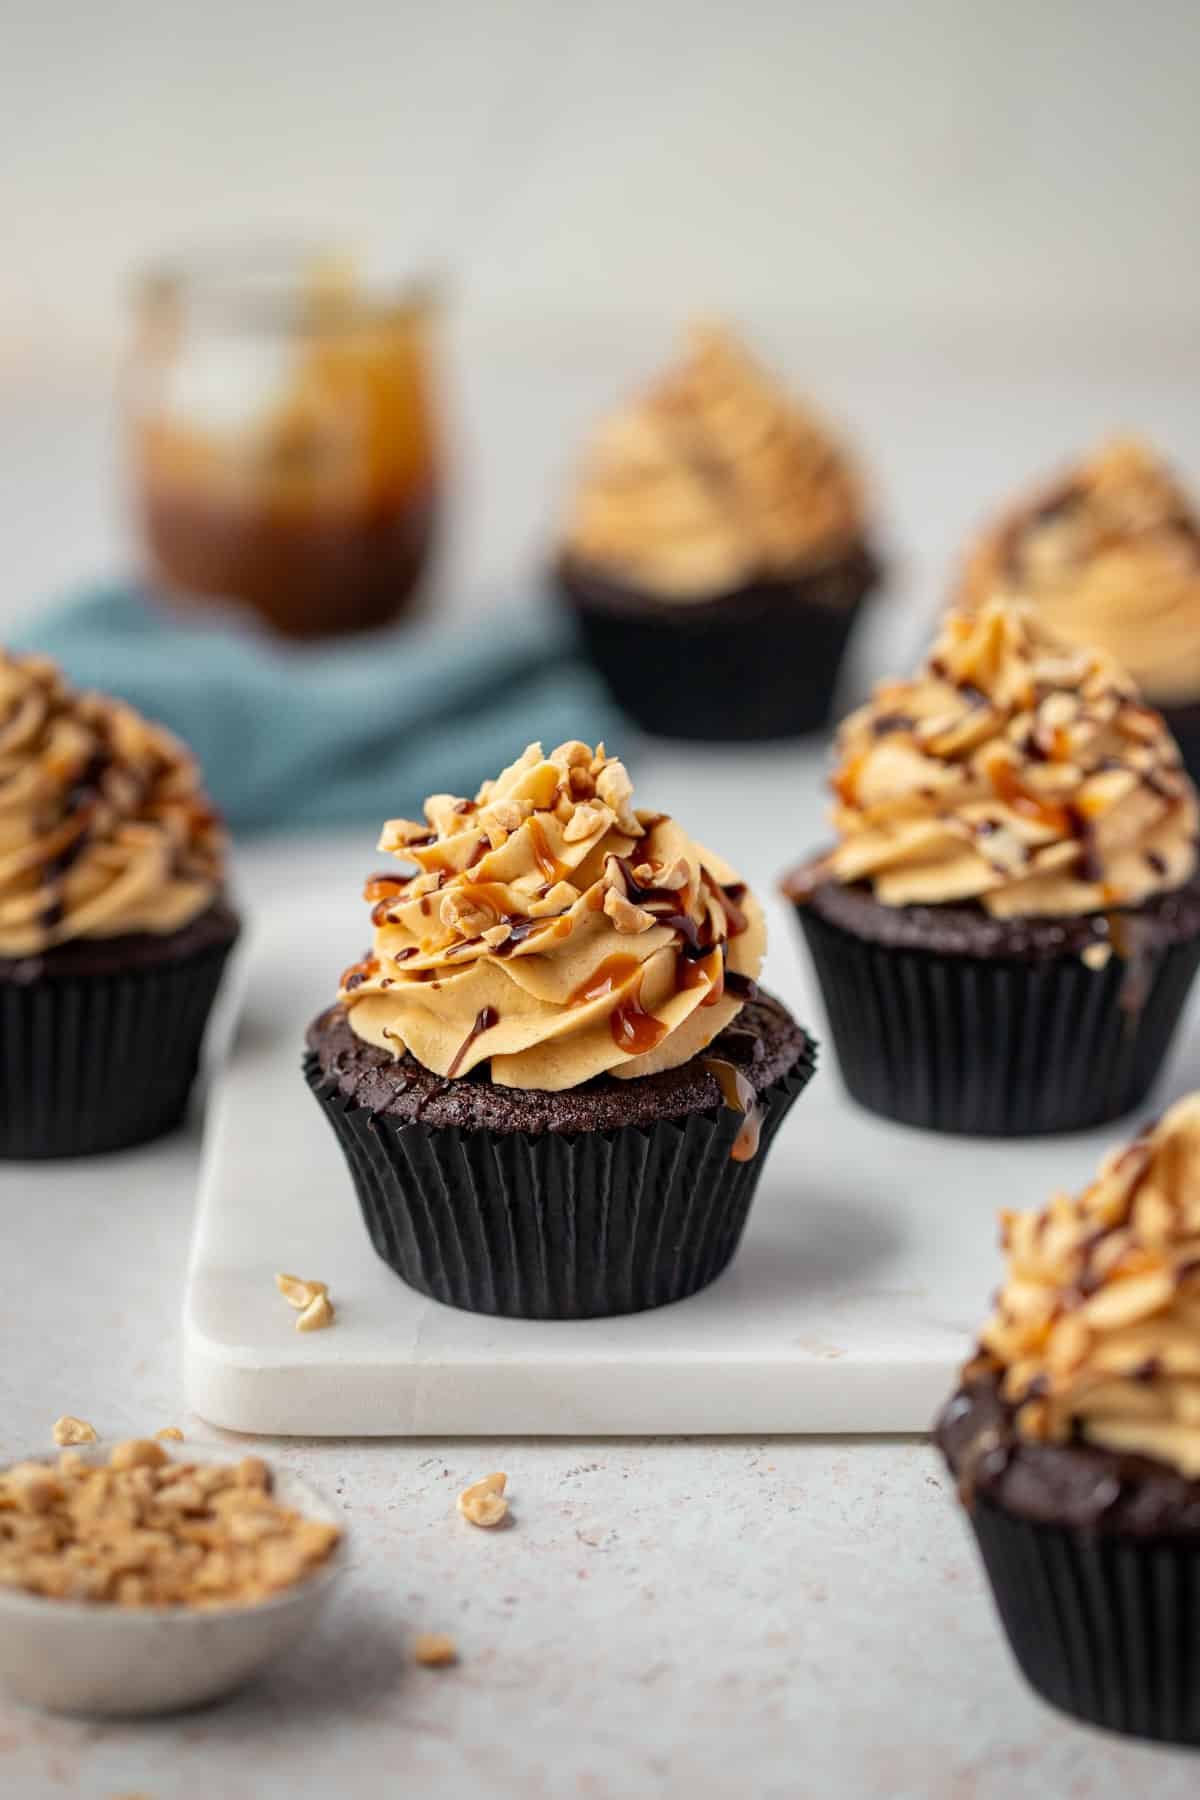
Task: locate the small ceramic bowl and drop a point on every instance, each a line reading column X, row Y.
column 108, row 1661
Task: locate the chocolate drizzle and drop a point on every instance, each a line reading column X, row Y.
column 484, row 1020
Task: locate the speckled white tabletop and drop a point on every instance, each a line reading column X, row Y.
column 734, row 1618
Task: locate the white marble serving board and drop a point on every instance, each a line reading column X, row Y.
column 867, row 1262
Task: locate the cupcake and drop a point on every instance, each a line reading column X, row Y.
column 554, row 1076
column 1110, row 554
column 1075, row 1440
column 114, row 928
column 1008, row 923
column 715, row 553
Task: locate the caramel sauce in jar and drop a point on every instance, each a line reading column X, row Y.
column 282, row 441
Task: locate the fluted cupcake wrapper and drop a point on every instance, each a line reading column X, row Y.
column 758, row 665
column 554, row 1226
column 1107, row 1628
column 996, row 1047
column 100, row 1062
column 1183, row 722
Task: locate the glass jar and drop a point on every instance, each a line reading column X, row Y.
column 283, row 440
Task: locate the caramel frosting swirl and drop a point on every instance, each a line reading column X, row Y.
column 1097, row 1325
column 1110, row 553
column 1014, row 771
column 712, row 480
column 552, row 929
column 105, row 828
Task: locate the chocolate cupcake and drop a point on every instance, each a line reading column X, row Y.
column 114, row 929
column 1008, row 924
column 1110, row 554
column 554, row 1077
column 716, row 555
column 1075, row 1440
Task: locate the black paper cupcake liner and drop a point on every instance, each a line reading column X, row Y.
column 554, row 1226
column 753, row 666
column 100, row 1062
column 993, row 1046
column 1183, row 722
column 1106, row 1628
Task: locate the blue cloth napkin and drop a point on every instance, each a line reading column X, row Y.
column 323, row 734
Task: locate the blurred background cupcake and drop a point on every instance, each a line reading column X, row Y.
column 114, row 922
column 716, row 551
column 1110, row 553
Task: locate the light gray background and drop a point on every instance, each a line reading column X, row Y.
column 855, row 161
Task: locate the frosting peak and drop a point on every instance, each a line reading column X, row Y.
column 105, row 828
column 554, row 930
column 1110, row 553
column 1097, row 1326
column 1014, row 771
column 713, row 479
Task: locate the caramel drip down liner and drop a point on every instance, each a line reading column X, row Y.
column 555, row 1226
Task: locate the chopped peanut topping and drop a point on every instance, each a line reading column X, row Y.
column 616, row 790
column 169, row 1434
column 587, row 821
column 397, row 834
column 572, row 755
column 434, row 1650
column 625, row 916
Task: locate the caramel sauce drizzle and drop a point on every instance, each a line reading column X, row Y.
column 1008, row 787
column 738, row 1093
column 384, row 887
column 358, row 972
column 606, row 978
column 633, row 1028
column 692, row 972
column 552, row 870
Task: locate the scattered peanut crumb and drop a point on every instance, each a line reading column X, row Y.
column 434, row 1649
column 483, row 1503
column 142, row 1530
column 316, row 1315
column 68, row 1430
column 169, row 1434
column 311, row 1300
column 297, row 1292
column 1096, row 956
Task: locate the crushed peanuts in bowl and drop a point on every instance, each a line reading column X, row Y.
column 135, row 1581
